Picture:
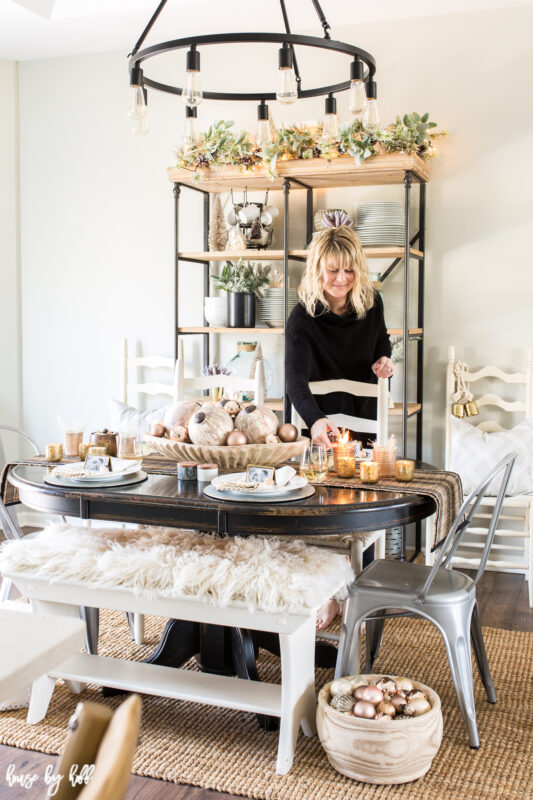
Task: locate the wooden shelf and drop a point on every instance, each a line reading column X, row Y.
column 315, row 173
column 210, row 329
column 240, row 331
column 278, row 255
column 412, row 409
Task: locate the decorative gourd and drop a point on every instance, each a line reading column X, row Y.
column 180, row 413
column 232, row 407
column 210, row 425
column 179, row 433
column 257, row 423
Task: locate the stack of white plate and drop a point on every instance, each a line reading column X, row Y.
column 270, row 307
column 380, row 222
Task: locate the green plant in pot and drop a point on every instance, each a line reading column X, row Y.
column 242, row 280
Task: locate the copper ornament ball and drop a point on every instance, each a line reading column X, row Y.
column 288, row 432
column 236, row 438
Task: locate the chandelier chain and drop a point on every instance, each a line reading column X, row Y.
column 322, row 17
column 288, row 29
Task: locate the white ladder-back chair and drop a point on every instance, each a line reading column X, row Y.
column 512, row 550
column 146, row 362
column 230, row 383
column 356, row 545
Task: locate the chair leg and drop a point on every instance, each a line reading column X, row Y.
column 138, row 628
column 348, row 655
column 480, row 655
column 455, row 628
column 374, row 636
column 356, row 557
column 91, row 617
column 429, row 556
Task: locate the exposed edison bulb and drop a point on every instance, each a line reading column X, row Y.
column 136, row 108
column 140, row 127
column 357, row 99
column 371, row 118
column 192, row 94
column 264, row 133
column 330, row 126
column 287, row 88
column 190, row 132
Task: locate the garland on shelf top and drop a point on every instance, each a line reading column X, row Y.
column 220, row 146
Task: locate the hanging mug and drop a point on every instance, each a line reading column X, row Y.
column 248, row 213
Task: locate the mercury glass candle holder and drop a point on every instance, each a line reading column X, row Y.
column 53, row 452
column 404, row 469
column 386, row 458
column 369, row 471
column 344, row 459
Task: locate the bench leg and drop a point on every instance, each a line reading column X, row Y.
column 61, row 610
column 41, row 694
column 298, row 699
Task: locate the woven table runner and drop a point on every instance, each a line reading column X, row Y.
column 443, row 487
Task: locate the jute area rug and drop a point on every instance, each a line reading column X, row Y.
column 225, row 750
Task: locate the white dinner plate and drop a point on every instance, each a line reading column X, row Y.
column 101, row 477
column 296, row 482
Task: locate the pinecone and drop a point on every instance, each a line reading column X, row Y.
column 247, row 161
column 316, row 151
column 202, row 161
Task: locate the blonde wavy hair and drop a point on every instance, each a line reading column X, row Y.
column 339, row 247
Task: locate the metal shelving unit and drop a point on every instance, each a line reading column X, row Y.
column 307, row 176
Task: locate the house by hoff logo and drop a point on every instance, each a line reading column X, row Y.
column 27, row 780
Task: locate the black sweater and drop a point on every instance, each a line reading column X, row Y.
column 331, row 346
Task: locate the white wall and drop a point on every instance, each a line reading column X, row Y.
column 97, row 214
column 10, row 368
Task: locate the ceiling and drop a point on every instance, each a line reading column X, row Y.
column 34, row 29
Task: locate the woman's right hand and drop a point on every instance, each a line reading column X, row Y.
column 319, row 432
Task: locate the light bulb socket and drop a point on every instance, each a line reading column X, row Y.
column 262, row 111
column 193, row 60
column 136, row 76
column 371, row 90
column 357, row 70
column 191, row 112
column 285, row 57
column 330, row 105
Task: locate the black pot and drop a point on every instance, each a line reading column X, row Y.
column 241, row 309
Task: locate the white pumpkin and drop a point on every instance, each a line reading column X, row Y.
column 210, row 425
column 257, row 423
column 180, row 414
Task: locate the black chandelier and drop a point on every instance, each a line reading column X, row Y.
column 361, row 83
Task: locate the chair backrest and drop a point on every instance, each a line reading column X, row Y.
column 464, row 518
column 19, row 433
column 378, row 390
column 490, row 399
column 146, row 362
column 230, row 383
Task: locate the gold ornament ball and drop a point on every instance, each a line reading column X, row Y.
column 157, row 429
column 288, row 432
column 236, row 438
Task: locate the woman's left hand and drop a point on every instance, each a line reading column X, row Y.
column 383, row 367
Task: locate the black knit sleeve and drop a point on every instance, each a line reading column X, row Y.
column 298, row 370
column 383, row 346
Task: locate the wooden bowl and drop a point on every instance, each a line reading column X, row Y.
column 237, row 457
column 380, row 751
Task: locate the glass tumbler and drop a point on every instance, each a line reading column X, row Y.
column 314, row 463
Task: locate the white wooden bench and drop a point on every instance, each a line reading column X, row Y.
column 293, row 701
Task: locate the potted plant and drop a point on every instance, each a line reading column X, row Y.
column 242, row 280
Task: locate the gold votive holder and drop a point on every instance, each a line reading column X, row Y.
column 386, row 458
column 53, row 452
column 404, row 469
column 344, row 459
column 95, row 450
column 369, row 471
column 83, row 449
column 71, row 442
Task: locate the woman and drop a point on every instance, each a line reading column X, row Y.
column 337, row 331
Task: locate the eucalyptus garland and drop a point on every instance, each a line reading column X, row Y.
column 220, row 146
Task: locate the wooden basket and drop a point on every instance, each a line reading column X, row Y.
column 234, row 457
column 377, row 750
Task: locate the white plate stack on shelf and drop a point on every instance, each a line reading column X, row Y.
column 379, row 222
column 270, row 307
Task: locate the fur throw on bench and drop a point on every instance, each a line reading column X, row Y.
column 270, row 574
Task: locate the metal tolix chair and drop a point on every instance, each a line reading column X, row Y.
column 439, row 593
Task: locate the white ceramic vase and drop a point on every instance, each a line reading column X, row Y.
column 216, row 311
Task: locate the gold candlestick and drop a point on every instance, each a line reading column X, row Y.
column 404, row 469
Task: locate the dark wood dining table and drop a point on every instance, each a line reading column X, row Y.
column 163, row 500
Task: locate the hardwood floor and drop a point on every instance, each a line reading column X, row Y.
column 503, row 602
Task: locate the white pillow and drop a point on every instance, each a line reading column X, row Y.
column 474, row 453
column 124, row 417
